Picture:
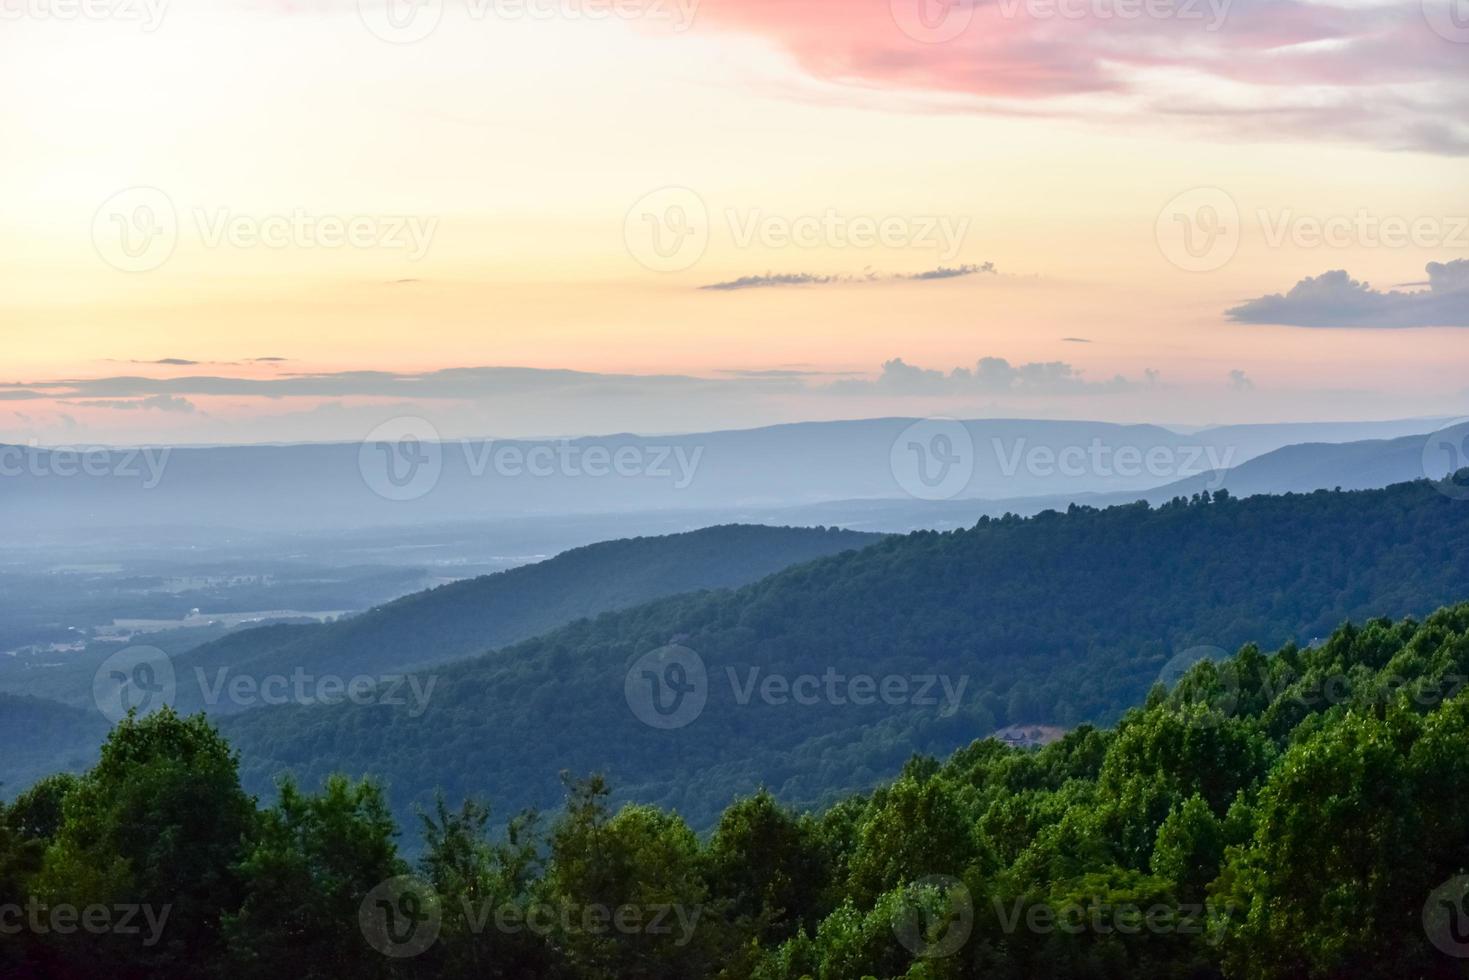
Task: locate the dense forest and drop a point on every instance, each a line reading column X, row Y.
column 1066, row 618
column 1286, row 815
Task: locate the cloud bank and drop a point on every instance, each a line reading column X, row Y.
column 990, row 376
column 1335, row 299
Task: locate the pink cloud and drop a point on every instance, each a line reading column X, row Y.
column 1033, row 51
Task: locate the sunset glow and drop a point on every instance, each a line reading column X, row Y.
column 216, row 183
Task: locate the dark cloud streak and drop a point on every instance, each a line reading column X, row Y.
column 771, row 280
column 990, row 375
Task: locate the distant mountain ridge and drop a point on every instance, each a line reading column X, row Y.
column 349, row 484
column 1299, row 468
column 1362, row 465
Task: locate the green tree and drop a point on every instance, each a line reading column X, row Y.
column 306, row 877
column 486, row 892
column 36, row 814
column 1190, row 848
column 20, row 860
column 916, row 827
column 627, row 894
column 768, row 863
column 1336, row 861
column 160, row 821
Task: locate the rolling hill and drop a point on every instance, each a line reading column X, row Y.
column 62, row 729
column 477, row 615
column 42, row 737
column 823, row 678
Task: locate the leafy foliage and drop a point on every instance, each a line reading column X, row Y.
column 1203, row 836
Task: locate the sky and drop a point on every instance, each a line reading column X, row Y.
column 290, row 220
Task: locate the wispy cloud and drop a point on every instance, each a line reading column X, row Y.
column 1376, row 73
column 160, row 403
column 947, row 272
column 779, row 373
column 990, row 375
column 770, row 280
column 449, row 383
column 187, row 362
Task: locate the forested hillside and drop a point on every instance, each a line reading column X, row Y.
column 41, row 737
column 1292, row 815
column 1063, row 618
column 470, row 617
column 450, row 622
